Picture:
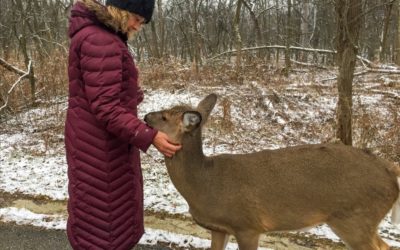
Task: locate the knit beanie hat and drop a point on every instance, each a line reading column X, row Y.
column 142, row 8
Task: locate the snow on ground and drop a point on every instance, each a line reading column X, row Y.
column 247, row 118
column 151, row 236
column 23, row 216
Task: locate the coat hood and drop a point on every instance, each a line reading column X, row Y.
column 90, row 12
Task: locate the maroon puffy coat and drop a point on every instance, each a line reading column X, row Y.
column 103, row 135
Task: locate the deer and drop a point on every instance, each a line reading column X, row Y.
column 245, row 195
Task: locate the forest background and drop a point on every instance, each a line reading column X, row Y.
column 287, row 72
column 208, row 36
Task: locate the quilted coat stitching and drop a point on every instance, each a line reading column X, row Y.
column 102, row 137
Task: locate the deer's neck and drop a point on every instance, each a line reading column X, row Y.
column 186, row 169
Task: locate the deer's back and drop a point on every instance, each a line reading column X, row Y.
column 314, row 179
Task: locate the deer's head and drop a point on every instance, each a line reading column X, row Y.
column 182, row 120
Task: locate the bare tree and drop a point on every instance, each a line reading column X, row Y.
column 23, row 43
column 398, row 34
column 192, row 30
column 238, row 38
column 288, row 37
column 348, row 31
column 158, row 35
column 155, row 47
column 305, row 25
column 255, row 21
column 383, row 42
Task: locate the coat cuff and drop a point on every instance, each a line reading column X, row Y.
column 144, row 139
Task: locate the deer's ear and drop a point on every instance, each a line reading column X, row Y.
column 191, row 120
column 206, row 105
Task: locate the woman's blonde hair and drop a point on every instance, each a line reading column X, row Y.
column 119, row 18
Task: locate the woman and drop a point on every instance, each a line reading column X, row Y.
column 103, row 134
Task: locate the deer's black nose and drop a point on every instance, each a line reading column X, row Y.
column 146, row 118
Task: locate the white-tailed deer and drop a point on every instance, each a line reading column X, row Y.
column 292, row 188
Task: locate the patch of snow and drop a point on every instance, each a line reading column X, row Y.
column 34, row 175
column 261, row 118
column 22, row 216
column 151, row 237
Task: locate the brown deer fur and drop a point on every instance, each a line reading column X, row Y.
column 292, row 188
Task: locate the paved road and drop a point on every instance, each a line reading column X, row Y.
column 13, row 237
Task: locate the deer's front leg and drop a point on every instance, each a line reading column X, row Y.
column 218, row 240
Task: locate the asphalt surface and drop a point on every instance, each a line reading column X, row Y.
column 14, row 237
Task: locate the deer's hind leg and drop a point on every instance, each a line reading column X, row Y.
column 358, row 234
column 218, row 240
column 247, row 240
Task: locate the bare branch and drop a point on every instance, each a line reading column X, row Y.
column 370, row 71
column 11, row 68
column 276, row 47
column 56, row 43
column 26, row 74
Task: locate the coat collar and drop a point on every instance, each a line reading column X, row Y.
column 90, row 12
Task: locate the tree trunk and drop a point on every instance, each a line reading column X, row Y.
column 277, row 40
column 288, row 38
column 161, row 24
column 398, row 33
column 386, row 22
column 348, row 31
column 304, row 26
column 23, row 42
column 255, row 21
column 154, row 40
column 238, row 40
column 196, row 36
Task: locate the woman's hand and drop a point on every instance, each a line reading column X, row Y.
column 163, row 144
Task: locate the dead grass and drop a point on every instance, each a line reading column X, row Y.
column 390, row 146
column 51, row 92
column 51, row 83
column 174, row 75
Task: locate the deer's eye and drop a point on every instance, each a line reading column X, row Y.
column 164, row 118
